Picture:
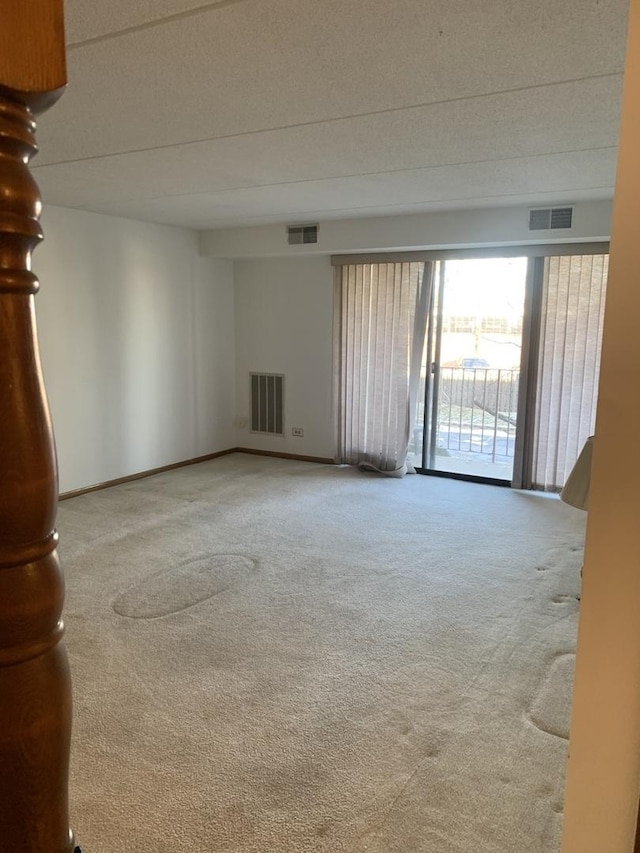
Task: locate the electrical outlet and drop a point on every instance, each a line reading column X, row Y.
column 297, row 431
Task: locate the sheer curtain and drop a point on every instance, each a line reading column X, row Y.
column 573, row 296
column 380, row 328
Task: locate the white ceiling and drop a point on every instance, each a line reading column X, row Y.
column 241, row 112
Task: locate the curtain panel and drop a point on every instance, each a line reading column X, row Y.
column 380, row 327
column 573, row 299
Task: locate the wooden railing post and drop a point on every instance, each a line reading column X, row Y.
column 35, row 689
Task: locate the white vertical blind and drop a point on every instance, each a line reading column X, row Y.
column 569, row 363
column 375, row 340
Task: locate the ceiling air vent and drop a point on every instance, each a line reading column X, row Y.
column 550, row 218
column 299, row 234
column 561, row 217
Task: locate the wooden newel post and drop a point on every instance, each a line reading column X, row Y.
column 35, row 689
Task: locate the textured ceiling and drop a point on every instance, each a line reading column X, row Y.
column 246, row 111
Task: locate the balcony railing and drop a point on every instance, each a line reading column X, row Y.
column 477, row 410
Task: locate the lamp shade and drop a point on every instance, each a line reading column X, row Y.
column 576, row 490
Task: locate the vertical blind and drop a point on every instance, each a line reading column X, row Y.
column 374, row 349
column 573, row 296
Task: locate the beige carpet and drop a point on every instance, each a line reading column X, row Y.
column 275, row 656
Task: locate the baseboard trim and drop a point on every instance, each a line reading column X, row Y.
column 142, row 474
column 322, row 460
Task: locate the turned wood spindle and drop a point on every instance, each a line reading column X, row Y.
column 35, row 689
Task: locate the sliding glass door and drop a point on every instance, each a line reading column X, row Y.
column 472, row 367
column 506, row 388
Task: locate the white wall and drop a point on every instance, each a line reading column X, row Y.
column 137, row 345
column 284, row 321
column 498, row 226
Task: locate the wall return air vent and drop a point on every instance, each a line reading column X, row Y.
column 550, row 218
column 297, row 235
column 267, row 403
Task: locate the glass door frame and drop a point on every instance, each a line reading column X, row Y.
column 433, row 354
column 432, row 387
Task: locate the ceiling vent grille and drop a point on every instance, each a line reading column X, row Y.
column 297, row 235
column 561, row 217
column 267, row 403
column 550, row 218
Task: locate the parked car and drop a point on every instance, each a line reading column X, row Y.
column 473, row 363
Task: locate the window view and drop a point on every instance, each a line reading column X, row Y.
column 472, row 362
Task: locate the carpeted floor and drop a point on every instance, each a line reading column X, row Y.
column 273, row 656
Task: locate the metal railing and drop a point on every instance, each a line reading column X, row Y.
column 477, row 410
